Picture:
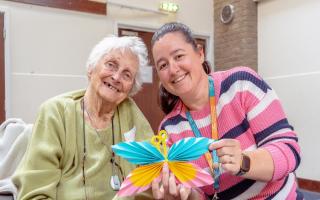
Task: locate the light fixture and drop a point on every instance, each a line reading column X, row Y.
column 169, row 7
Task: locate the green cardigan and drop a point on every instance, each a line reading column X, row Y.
column 52, row 165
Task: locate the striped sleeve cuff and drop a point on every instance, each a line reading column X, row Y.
column 280, row 158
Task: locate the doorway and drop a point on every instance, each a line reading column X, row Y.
column 147, row 98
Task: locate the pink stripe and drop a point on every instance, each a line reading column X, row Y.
column 248, row 100
column 230, row 121
column 293, row 193
column 267, row 117
column 202, row 178
column 283, row 159
column 232, row 180
column 269, row 190
column 202, row 113
column 128, row 189
column 247, row 140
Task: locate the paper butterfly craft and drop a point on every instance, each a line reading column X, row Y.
column 152, row 156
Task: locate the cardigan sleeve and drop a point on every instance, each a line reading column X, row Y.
column 39, row 173
column 269, row 125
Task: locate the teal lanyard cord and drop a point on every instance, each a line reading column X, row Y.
column 197, row 133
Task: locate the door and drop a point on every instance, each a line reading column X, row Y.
column 2, row 71
column 147, row 98
column 202, row 42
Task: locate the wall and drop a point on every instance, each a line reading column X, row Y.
column 236, row 42
column 288, row 52
column 47, row 48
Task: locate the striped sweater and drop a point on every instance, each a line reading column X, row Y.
column 248, row 110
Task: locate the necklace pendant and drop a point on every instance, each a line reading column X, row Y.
column 115, row 182
column 215, row 196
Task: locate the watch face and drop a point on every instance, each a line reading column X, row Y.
column 245, row 163
column 227, row 13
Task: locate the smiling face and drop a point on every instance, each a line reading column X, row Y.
column 178, row 64
column 113, row 76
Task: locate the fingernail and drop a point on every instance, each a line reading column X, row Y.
column 165, row 166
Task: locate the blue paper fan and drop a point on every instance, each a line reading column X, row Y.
column 190, row 148
column 154, row 155
column 139, row 153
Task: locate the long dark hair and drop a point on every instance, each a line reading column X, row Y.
column 167, row 100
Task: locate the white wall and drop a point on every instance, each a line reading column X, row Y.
column 289, row 59
column 47, row 48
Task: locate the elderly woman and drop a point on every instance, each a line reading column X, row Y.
column 70, row 155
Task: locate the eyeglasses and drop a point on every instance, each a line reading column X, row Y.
column 125, row 75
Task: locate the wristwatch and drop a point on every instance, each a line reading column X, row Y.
column 245, row 165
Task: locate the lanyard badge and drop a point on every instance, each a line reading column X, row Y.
column 115, row 181
column 211, row 158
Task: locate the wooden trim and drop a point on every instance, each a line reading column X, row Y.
column 310, row 185
column 76, row 5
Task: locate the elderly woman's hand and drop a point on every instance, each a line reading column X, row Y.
column 229, row 153
column 169, row 189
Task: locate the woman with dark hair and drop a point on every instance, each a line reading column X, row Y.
column 256, row 150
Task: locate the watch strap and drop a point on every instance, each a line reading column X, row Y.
column 245, row 165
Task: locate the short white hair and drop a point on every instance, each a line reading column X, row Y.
column 132, row 43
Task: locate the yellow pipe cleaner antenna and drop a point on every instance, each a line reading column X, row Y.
column 159, row 141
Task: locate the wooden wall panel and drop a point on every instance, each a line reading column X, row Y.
column 310, row 185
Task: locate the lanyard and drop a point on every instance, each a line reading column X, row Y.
column 214, row 133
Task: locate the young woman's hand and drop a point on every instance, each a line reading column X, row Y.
column 229, row 153
column 168, row 189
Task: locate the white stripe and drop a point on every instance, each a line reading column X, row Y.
column 238, row 86
column 278, row 132
column 284, row 192
column 176, row 129
column 251, row 148
column 184, row 125
column 263, row 104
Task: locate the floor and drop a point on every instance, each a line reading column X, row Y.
column 310, row 195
